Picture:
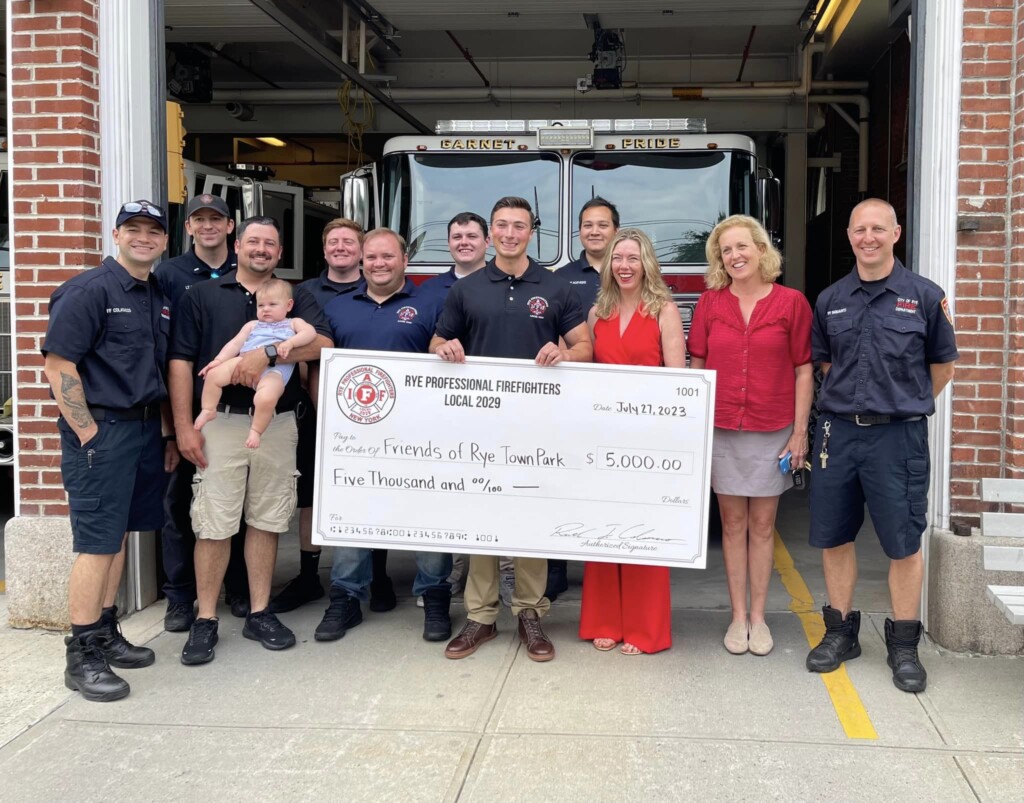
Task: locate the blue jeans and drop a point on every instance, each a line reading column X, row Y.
column 353, row 571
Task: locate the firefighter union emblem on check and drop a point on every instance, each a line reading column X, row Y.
column 366, row 394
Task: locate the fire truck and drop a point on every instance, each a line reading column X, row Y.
column 668, row 177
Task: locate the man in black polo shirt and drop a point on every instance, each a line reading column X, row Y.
column 209, row 222
column 105, row 356
column 342, row 241
column 230, row 478
column 884, row 337
column 511, row 308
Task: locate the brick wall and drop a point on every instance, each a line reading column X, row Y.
column 988, row 394
column 54, row 131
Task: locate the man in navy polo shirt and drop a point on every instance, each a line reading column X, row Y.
column 388, row 313
column 342, row 242
column 599, row 221
column 105, row 356
column 511, row 308
column 467, row 243
column 209, row 222
column 884, row 337
column 232, row 480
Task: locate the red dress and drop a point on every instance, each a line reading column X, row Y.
column 622, row 601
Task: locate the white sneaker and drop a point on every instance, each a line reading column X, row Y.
column 419, row 601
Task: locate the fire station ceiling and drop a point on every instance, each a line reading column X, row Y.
column 267, row 51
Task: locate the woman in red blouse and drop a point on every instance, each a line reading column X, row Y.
column 634, row 323
column 757, row 335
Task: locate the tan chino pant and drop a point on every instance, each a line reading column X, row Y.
column 482, row 588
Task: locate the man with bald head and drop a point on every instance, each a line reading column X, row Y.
column 884, row 338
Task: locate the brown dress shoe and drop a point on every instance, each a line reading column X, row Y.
column 538, row 647
column 472, row 635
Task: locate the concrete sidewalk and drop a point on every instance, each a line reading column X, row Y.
column 382, row 716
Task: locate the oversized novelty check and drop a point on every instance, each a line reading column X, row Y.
column 503, row 457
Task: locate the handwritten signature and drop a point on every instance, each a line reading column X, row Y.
column 625, row 533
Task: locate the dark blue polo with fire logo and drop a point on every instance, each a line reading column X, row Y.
column 403, row 322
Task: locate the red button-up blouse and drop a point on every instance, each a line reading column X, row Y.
column 756, row 385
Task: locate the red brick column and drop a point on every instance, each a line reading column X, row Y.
column 54, row 133
column 988, row 402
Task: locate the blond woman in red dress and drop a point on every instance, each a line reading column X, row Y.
column 634, row 322
column 756, row 335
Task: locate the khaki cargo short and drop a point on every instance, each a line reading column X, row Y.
column 259, row 482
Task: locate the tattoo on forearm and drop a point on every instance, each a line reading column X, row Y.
column 74, row 400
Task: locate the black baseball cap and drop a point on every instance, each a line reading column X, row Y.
column 146, row 209
column 207, row 201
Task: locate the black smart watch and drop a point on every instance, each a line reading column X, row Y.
column 271, row 352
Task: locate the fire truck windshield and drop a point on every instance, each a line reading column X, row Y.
column 676, row 197
column 421, row 192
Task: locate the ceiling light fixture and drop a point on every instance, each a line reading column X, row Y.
column 277, row 143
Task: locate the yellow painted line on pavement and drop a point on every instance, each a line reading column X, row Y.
column 3, row 586
column 853, row 716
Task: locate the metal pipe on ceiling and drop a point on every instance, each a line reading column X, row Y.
column 328, row 50
column 863, row 118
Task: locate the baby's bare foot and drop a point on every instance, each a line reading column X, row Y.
column 204, row 418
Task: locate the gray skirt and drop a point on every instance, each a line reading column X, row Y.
column 747, row 463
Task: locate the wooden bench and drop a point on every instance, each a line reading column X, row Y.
column 1009, row 599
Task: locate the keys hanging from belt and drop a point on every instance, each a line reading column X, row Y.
column 826, row 429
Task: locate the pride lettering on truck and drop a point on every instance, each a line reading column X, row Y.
column 668, row 177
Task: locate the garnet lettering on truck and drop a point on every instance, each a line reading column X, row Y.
column 477, row 144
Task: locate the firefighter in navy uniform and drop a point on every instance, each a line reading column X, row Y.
column 599, row 222
column 105, row 359
column 209, row 222
column 885, row 341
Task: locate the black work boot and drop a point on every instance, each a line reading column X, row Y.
column 118, row 650
column 839, row 643
column 901, row 640
column 343, row 613
column 437, row 624
column 89, row 673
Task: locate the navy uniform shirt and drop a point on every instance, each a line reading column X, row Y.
column 496, row 315
column 114, row 328
column 584, row 278
column 324, row 290
column 212, row 313
column 177, row 275
column 880, row 338
column 440, row 284
column 404, row 322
